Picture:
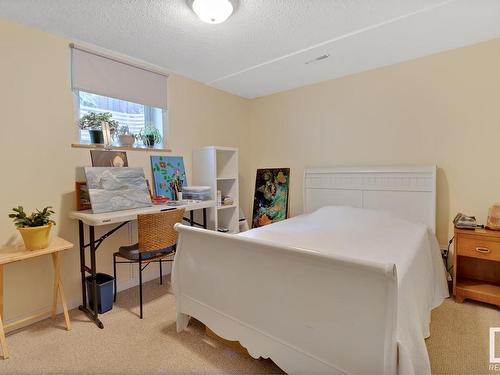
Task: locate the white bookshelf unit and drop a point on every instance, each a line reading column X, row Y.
column 217, row 167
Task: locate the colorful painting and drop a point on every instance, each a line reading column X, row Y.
column 270, row 203
column 169, row 175
column 115, row 189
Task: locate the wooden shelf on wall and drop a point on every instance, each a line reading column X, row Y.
column 119, row 148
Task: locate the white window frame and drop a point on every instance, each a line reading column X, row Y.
column 147, row 116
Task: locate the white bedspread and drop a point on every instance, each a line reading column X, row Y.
column 381, row 237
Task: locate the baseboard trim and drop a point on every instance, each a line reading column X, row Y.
column 44, row 312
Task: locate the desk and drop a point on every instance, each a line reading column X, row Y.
column 16, row 254
column 120, row 218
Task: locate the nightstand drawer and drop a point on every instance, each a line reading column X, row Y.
column 483, row 249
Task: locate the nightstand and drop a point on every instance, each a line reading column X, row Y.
column 476, row 273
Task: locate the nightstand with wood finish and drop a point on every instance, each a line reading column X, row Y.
column 476, row 273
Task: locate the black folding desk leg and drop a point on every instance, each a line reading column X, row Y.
column 93, row 273
column 93, row 315
column 82, row 264
column 191, row 218
column 205, row 218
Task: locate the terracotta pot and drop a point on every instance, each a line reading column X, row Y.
column 36, row 238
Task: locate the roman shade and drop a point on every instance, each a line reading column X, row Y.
column 98, row 74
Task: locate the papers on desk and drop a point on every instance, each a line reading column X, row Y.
column 181, row 203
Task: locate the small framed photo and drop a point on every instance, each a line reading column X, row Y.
column 104, row 158
column 82, row 196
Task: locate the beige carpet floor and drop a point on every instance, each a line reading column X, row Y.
column 128, row 345
column 459, row 341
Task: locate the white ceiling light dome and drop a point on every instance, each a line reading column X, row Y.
column 213, row 11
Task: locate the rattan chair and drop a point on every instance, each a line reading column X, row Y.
column 157, row 241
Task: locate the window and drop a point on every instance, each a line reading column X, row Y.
column 135, row 96
column 133, row 115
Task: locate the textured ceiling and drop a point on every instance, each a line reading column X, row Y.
column 263, row 47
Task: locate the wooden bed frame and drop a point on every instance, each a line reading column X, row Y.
column 307, row 311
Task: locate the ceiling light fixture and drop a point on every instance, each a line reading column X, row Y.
column 213, row 11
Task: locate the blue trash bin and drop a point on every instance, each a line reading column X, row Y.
column 104, row 292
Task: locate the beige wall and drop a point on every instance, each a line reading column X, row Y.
column 442, row 109
column 36, row 130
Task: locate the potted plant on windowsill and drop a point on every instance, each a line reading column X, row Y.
column 150, row 136
column 35, row 228
column 125, row 138
column 93, row 123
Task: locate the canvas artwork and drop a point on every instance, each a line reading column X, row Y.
column 169, row 175
column 115, row 189
column 103, row 158
column 82, row 196
column 270, row 203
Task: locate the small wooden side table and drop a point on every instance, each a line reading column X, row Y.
column 16, row 254
column 477, row 265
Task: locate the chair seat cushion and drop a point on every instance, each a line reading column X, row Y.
column 132, row 252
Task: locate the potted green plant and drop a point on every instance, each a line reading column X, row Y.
column 150, row 135
column 34, row 228
column 125, row 138
column 93, row 121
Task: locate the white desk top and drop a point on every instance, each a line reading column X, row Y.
column 105, row 218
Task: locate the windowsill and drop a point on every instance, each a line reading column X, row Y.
column 116, row 147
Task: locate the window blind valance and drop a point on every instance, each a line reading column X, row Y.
column 102, row 75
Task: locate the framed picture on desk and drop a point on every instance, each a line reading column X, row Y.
column 167, row 171
column 105, row 158
column 82, row 196
column 116, row 188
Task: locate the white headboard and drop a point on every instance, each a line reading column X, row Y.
column 407, row 191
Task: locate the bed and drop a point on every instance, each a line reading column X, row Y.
column 345, row 288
